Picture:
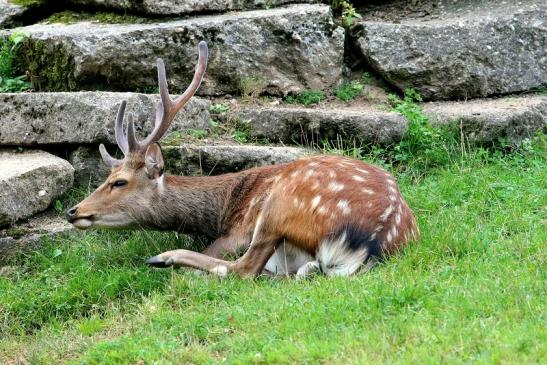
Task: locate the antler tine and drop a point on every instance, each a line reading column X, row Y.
column 121, row 139
column 167, row 109
column 109, row 160
column 131, row 138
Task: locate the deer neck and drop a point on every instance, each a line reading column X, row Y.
column 198, row 205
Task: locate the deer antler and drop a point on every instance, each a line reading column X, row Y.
column 166, row 110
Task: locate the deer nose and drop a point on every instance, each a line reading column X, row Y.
column 71, row 214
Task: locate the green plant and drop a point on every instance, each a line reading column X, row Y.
column 198, row 133
column 349, row 91
column 9, row 80
column 219, row 108
column 252, row 86
column 365, row 78
column 306, row 97
column 346, row 10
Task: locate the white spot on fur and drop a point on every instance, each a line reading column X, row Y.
column 335, row 186
column 315, row 201
column 296, row 202
column 385, row 215
column 390, row 182
column 335, row 258
column 312, row 164
column 393, row 198
column 373, row 236
column 315, row 185
column 309, row 174
column 369, row 205
column 343, row 205
column 221, row 271
column 295, row 174
column 358, row 178
column 392, row 189
column 398, row 218
column 363, row 171
column 367, row 191
column 388, row 237
column 322, row 210
column 378, row 228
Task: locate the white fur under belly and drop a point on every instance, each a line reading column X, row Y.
column 287, row 259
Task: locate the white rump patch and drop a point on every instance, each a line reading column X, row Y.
column 336, row 259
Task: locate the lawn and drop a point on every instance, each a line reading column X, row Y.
column 472, row 290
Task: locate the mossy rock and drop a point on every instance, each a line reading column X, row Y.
column 48, row 65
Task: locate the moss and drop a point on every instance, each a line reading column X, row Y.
column 70, row 17
column 28, row 3
column 48, row 65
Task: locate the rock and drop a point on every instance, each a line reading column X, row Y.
column 309, row 126
column 490, row 49
column 89, row 169
column 28, row 235
column 180, row 7
column 30, row 182
column 217, row 159
column 511, row 118
column 10, row 14
column 28, row 119
column 274, row 51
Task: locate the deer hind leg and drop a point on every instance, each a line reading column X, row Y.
column 229, row 245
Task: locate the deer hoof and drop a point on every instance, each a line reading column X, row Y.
column 157, row 261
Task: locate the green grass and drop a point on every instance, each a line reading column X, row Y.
column 472, row 290
column 349, row 91
column 70, row 17
column 306, row 97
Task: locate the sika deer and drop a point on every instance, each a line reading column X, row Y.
column 326, row 213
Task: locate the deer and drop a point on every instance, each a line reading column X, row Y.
column 324, row 213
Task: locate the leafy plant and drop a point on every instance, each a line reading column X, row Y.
column 346, row 10
column 9, row 80
column 219, row 108
column 349, row 91
column 306, row 97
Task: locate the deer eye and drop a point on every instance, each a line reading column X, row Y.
column 119, row 183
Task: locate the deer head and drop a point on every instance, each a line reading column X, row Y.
column 138, row 178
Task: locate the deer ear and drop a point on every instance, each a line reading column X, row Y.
column 154, row 161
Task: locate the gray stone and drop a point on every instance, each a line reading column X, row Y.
column 28, row 235
column 10, row 14
column 28, row 119
column 217, row 159
column 307, row 126
column 274, row 51
column 89, row 169
column 512, row 118
column 180, row 7
column 492, row 48
column 30, row 182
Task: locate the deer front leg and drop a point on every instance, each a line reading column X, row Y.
column 193, row 259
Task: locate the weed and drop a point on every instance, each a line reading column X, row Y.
column 306, row 97
column 346, row 10
column 349, row 91
column 9, row 80
column 28, row 3
column 252, row 86
column 219, row 108
column 365, row 78
column 198, row 133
